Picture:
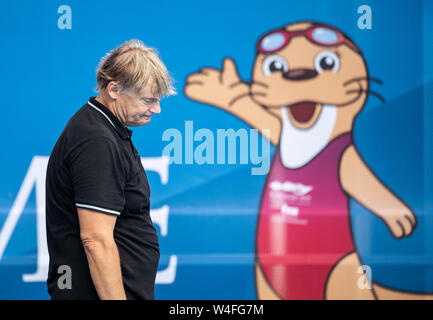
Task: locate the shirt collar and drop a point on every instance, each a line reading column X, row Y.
column 123, row 131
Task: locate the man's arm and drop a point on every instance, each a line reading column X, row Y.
column 96, row 232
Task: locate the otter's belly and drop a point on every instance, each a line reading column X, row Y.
column 303, row 228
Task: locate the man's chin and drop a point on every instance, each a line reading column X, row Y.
column 142, row 122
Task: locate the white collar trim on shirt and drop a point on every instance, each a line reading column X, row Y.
column 95, row 107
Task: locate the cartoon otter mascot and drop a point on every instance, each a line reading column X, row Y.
column 309, row 83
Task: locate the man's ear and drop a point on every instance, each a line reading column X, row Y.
column 113, row 90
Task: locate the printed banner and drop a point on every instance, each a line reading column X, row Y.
column 295, row 161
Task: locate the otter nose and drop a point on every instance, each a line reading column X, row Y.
column 300, row 74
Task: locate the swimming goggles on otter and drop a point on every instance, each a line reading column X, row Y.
column 320, row 35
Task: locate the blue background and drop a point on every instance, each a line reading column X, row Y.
column 47, row 74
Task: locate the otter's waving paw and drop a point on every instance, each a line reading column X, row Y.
column 218, row 88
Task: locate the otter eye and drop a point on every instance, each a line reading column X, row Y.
column 326, row 61
column 274, row 63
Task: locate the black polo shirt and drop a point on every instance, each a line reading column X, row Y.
column 95, row 166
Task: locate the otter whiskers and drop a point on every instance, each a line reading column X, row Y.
column 374, row 93
column 368, row 91
column 377, row 80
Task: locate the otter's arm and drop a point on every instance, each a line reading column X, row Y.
column 257, row 117
column 225, row 90
column 359, row 181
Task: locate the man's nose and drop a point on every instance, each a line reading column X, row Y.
column 156, row 108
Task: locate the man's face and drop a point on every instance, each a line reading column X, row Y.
column 138, row 107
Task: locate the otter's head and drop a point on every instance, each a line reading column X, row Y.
column 305, row 67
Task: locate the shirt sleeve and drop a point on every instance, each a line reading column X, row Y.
column 98, row 176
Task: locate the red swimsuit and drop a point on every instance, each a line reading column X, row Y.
column 304, row 227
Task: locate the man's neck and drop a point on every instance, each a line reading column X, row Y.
column 110, row 105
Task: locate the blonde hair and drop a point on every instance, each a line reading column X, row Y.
column 132, row 64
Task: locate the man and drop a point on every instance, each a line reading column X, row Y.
column 97, row 193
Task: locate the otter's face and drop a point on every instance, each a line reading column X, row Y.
column 303, row 76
